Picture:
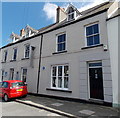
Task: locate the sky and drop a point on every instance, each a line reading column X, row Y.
column 16, row 15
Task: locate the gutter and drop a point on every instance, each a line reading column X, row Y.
column 39, row 67
column 113, row 17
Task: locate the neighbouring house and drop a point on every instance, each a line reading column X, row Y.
column 74, row 58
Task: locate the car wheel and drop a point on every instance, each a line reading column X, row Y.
column 6, row 98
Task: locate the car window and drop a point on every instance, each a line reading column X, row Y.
column 5, row 85
column 18, row 84
column 0, row 84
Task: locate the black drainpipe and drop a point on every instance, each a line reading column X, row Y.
column 39, row 67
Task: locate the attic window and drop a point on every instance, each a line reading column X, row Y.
column 71, row 13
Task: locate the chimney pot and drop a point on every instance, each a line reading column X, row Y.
column 22, row 32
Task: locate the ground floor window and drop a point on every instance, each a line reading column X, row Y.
column 11, row 74
column 60, row 76
column 24, row 74
column 3, row 73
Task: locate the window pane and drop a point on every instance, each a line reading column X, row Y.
column 54, row 82
column 59, row 70
column 54, row 71
column 72, row 16
column 61, row 38
column 65, row 70
column 89, row 31
column 24, row 75
column 27, row 50
column 11, row 74
column 59, row 47
column 5, row 55
column 60, row 82
column 90, row 41
column 63, row 46
column 18, row 84
column 65, row 82
column 15, row 54
column 95, row 29
column 0, row 84
column 95, row 64
column 70, row 10
column 5, row 84
column 96, row 39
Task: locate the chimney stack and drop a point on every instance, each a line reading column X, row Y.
column 22, row 32
column 61, row 15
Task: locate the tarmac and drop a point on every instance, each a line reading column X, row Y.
column 70, row 109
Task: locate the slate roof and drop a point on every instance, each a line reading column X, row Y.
column 34, row 30
column 85, row 14
column 15, row 35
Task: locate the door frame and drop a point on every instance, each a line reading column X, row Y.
column 89, row 98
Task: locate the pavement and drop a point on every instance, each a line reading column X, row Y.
column 70, row 108
column 15, row 110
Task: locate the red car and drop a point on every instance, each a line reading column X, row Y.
column 12, row 89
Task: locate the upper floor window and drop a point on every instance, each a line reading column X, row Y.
column 60, row 76
column 71, row 13
column 5, row 55
column 27, row 51
column 14, row 53
column 92, row 35
column 61, row 42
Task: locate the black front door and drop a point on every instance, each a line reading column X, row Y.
column 96, row 83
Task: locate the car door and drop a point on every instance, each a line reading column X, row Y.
column 0, row 89
column 5, row 88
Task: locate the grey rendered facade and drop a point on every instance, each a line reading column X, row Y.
column 77, row 57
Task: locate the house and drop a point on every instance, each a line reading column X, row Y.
column 71, row 58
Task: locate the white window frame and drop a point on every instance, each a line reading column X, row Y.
column 14, row 53
column 62, row 88
column 74, row 14
column 62, row 42
column 25, row 50
column 93, row 34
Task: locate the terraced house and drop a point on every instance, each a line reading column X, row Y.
column 73, row 58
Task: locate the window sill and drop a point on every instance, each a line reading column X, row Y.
column 12, row 60
column 51, row 89
column 3, row 62
column 93, row 46
column 25, row 58
column 60, row 52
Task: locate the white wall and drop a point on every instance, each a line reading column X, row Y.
column 112, row 26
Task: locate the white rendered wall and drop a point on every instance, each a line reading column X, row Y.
column 112, row 26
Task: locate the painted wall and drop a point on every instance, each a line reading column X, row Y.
column 112, row 26
column 77, row 59
column 0, row 65
column 119, row 61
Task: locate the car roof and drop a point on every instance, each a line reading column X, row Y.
column 12, row 81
